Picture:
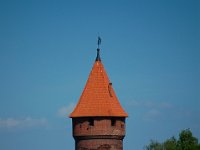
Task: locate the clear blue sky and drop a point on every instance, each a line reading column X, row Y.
column 150, row 50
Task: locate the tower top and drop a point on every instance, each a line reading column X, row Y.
column 98, row 98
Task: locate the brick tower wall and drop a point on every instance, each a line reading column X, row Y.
column 99, row 133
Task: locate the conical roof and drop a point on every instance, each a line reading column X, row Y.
column 98, row 97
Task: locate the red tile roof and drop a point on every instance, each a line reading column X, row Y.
column 98, row 97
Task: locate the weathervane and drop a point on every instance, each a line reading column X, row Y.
column 98, row 53
column 99, row 41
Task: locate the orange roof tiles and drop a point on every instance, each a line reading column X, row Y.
column 98, row 97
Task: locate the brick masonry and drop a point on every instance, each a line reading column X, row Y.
column 99, row 133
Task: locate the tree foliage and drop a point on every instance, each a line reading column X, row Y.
column 186, row 141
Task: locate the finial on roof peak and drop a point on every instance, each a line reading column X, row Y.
column 98, row 50
column 98, row 55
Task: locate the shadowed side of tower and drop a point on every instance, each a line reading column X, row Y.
column 98, row 119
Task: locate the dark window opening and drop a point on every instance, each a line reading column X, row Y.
column 113, row 122
column 91, row 122
column 122, row 125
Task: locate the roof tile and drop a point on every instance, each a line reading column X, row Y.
column 98, row 97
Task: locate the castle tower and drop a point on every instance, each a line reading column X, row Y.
column 98, row 119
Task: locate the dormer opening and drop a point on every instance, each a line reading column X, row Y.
column 110, row 89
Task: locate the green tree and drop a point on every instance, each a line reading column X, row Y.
column 170, row 144
column 154, row 145
column 186, row 141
